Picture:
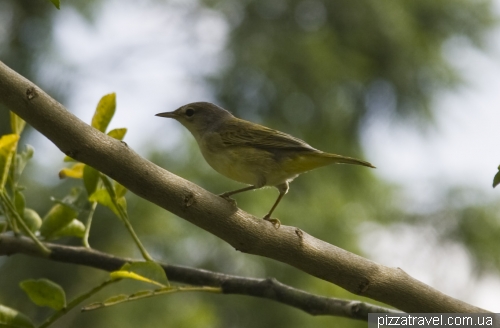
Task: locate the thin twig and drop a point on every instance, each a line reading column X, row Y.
column 262, row 288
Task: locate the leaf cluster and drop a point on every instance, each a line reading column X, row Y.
column 62, row 220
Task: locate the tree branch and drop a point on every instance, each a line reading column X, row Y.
column 264, row 288
column 243, row 231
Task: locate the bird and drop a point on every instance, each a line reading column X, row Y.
column 251, row 153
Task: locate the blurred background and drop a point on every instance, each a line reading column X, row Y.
column 410, row 86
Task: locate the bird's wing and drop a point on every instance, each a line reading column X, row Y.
column 240, row 133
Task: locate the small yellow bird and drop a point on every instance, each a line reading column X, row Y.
column 251, row 153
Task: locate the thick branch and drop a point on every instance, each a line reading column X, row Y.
column 243, row 231
column 263, row 288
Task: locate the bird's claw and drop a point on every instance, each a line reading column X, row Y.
column 275, row 222
column 229, row 199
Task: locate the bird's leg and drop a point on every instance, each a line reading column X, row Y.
column 283, row 189
column 227, row 195
column 230, row 193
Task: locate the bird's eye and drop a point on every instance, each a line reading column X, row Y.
column 189, row 112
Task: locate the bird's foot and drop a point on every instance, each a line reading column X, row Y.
column 275, row 222
column 229, row 199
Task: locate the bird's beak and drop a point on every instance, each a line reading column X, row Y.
column 167, row 114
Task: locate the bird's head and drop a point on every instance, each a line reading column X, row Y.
column 199, row 117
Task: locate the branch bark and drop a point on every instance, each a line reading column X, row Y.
column 263, row 288
column 243, row 231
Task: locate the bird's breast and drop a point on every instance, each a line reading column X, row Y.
column 244, row 164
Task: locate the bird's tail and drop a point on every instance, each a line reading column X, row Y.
column 333, row 158
column 311, row 160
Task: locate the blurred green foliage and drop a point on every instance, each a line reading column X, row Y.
column 333, row 62
column 467, row 217
column 316, row 69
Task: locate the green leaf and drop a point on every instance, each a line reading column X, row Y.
column 8, row 145
column 56, row 3
column 16, row 124
column 118, row 133
column 120, row 190
column 90, row 179
column 149, row 270
column 108, row 185
column 19, row 202
column 69, row 159
column 76, row 199
column 142, row 294
column 122, row 202
column 44, row 292
column 112, row 191
column 496, row 179
column 116, row 299
column 32, row 219
column 102, row 197
column 120, row 274
column 57, row 218
column 75, row 172
column 104, row 112
column 14, row 319
column 108, row 302
column 22, row 159
column 74, row 229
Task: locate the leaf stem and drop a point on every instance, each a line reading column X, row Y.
column 85, row 239
column 151, row 293
column 124, row 217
